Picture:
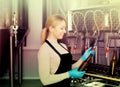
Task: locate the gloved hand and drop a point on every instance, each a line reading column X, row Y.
column 74, row 73
column 93, row 51
column 86, row 54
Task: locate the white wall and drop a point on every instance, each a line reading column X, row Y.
column 62, row 6
column 35, row 23
column 30, row 68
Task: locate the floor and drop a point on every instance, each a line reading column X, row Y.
column 25, row 83
column 36, row 83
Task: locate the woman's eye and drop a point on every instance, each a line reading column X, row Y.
column 62, row 28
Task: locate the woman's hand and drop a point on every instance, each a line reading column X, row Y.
column 86, row 54
column 93, row 51
column 74, row 73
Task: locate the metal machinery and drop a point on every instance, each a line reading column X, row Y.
column 103, row 25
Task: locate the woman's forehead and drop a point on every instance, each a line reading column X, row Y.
column 59, row 23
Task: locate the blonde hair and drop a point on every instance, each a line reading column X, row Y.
column 51, row 21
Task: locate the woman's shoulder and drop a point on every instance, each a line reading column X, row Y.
column 43, row 47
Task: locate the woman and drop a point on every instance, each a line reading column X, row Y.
column 54, row 59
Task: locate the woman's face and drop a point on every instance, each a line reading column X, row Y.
column 59, row 30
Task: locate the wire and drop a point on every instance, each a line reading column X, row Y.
column 75, row 17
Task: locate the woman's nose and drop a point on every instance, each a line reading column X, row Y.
column 64, row 30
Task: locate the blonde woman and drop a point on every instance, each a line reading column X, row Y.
column 54, row 59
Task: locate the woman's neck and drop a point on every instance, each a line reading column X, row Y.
column 52, row 40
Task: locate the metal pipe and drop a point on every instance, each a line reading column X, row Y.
column 11, row 57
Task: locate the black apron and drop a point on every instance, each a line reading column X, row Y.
column 65, row 65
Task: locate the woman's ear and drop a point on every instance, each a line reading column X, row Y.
column 50, row 29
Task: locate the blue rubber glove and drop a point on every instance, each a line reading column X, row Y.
column 74, row 73
column 86, row 54
column 93, row 51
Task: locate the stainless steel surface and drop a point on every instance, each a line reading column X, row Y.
column 89, row 81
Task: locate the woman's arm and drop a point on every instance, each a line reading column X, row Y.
column 77, row 64
column 44, row 68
